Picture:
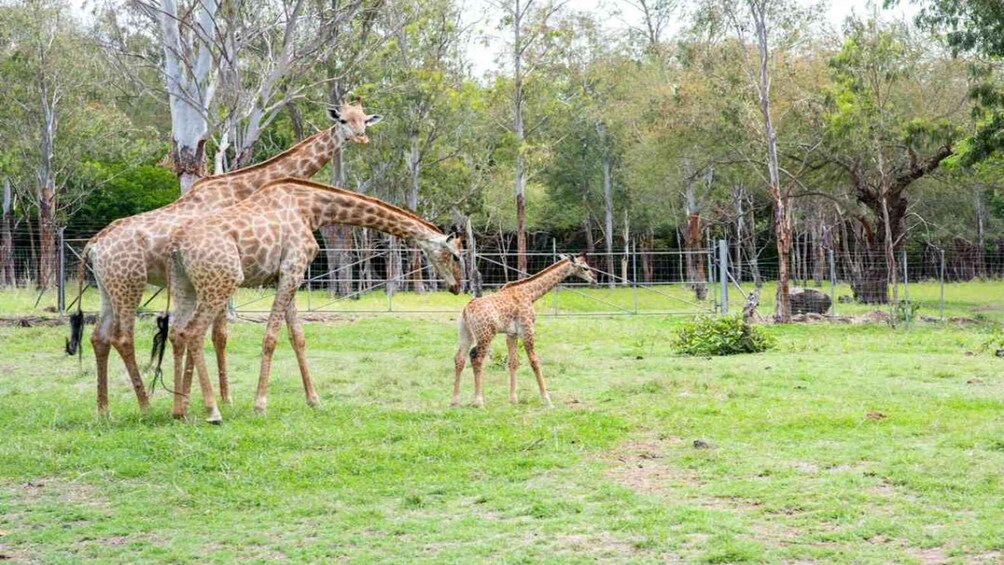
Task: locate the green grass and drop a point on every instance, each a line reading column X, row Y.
column 983, row 301
column 845, row 444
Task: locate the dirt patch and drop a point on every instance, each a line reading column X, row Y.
column 928, row 556
column 37, row 491
column 596, row 544
column 639, row 465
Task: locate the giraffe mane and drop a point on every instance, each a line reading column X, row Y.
column 351, row 194
column 266, row 163
column 536, row 275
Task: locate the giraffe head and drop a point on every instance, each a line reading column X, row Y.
column 580, row 268
column 444, row 254
column 351, row 122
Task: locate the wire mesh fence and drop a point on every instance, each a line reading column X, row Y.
column 392, row 278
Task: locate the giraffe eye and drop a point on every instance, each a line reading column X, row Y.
column 342, row 121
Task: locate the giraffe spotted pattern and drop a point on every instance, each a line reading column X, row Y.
column 510, row 311
column 131, row 252
column 268, row 239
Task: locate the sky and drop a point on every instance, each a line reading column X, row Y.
column 484, row 17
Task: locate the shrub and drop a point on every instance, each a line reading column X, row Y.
column 721, row 335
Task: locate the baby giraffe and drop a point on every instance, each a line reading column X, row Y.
column 510, row 311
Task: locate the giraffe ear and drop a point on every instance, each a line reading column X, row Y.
column 373, row 119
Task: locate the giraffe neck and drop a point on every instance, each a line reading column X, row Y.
column 304, row 159
column 539, row 284
column 322, row 205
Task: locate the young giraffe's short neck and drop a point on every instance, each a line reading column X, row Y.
column 323, row 205
column 539, row 284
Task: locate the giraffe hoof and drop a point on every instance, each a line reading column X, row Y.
column 260, row 409
column 455, row 402
column 479, row 404
column 215, row 418
column 513, row 400
column 313, row 402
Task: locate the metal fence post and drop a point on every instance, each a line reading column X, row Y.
column 61, row 273
column 833, row 283
column 906, row 290
column 723, row 273
column 941, row 281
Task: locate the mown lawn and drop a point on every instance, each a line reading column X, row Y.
column 847, row 444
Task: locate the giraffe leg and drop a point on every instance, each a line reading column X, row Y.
column 531, row 354
column 194, row 336
column 460, row 359
column 183, row 295
column 101, row 343
column 299, row 347
column 510, row 340
column 477, row 363
column 196, row 350
column 123, row 341
column 286, row 289
column 180, row 405
column 220, row 346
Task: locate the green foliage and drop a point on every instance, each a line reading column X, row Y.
column 122, row 191
column 721, row 335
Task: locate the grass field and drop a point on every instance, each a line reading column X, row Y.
column 846, row 444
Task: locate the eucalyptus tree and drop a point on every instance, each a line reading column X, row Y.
column 423, row 67
column 60, row 115
column 528, row 23
column 895, row 115
column 767, row 33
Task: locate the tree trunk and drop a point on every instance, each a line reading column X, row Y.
column 474, row 280
column 520, row 138
column 365, row 260
column 981, row 260
column 394, row 264
column 587, row 230
column 190, row 84
column 738, row 199
column 695, row 259
column 608, row 217
column 647, row 243
column 625, row 279
column 417, row 273
column 6, row 237
column 780, row 195
column 46, row 237
column 878, row 262
column 749, row 244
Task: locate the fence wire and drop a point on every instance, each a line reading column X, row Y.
column 392, row 278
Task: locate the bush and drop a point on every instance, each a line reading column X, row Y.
column 721, row 335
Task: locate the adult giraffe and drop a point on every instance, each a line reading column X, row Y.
column 130, row 252
column 268, row 238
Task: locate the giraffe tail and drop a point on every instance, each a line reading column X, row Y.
column 74, row 344
column 465, row 326
column 163, row 327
